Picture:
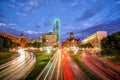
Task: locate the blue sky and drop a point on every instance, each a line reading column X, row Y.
column 83, row 17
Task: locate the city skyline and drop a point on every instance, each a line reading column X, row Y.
column 82, row 17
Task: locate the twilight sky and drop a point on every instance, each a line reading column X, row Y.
column 83, row 17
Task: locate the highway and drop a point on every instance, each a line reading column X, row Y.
column 104, row 69
column 18, row 68
column 52, row 69
column 71, row 71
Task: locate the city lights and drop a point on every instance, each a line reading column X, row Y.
column 59, row 39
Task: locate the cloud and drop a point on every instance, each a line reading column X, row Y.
column 68, row 1
column 90, row 10
column 2, row 24
column 10, row 30
column 118, row 2
column 67, row 27
column 12, row 24
column 25, row 5
column 31, row 5
column 16, row 32
column 110, row 27
column 21, row 14
column 31, row 32
column 88, row 13
column 6, row 28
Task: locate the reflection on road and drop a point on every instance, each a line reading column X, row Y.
column 18, row 68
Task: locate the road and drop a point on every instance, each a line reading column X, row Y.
column 71, row 71
column 104, row 69
column 18, row 68
column 52, row 69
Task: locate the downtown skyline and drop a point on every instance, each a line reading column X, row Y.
column 82, row 17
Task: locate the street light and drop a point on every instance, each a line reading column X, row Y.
column 48, row 49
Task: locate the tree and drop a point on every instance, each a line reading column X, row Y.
column 36, row 44
column 1, row 42
column 14, row 45
column 5, row 43
column 29, row 45
column 111, row 44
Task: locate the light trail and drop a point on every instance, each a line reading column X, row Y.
column 71, row 71
column 95, row 64
column 51, row 70
column 18, row 68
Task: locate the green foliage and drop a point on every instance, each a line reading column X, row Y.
column 41, row 62
column 111, row 44
column 76, row 58
column 35, row 44
column 13, row 45
column 6, row 44
column 5, row 56
column 29, row 45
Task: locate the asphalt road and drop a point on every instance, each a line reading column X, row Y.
column 104, row 69
column 52, row 69
column 71, row 71
column 18, row 68
column 62, row 67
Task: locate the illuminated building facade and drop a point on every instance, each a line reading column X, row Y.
column 95, row 39
column 12, row 37
column 23, row 41
column 71, row 41
column 49, row 39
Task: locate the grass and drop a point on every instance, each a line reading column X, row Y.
column 6, row 56
column 115, row 60
column 41, row 62
column 76, row 58
column 112, row 58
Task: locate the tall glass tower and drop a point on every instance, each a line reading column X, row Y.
column 56, row 29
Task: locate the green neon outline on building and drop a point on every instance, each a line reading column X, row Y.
column 56, row 28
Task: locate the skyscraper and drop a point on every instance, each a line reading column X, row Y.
column 56, row 28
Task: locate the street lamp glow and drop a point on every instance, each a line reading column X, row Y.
column 48, row 51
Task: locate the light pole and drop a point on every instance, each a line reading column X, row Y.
column 48, row 49
column 48, row 52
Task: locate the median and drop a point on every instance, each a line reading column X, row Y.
column 76, row 58
column 41, row 62
column 7, row 56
